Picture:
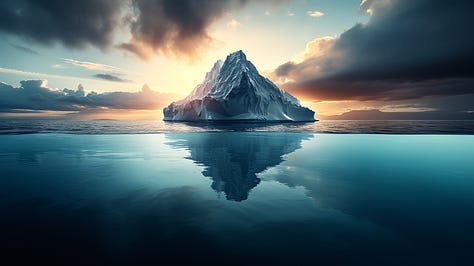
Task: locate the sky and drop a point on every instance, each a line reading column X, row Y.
column 127, row 59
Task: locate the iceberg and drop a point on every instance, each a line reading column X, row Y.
column 235, row 91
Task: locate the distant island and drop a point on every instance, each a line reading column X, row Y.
column 235, row 91
column 375, row 114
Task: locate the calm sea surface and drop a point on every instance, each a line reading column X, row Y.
column 23, row 126
column 236, row 198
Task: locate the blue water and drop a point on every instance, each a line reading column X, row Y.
column 25, row 126
column 246, row 198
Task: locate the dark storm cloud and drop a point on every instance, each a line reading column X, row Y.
column 110, row 77
column 173, row 26
column 24, row 49
column 384, row 90
column 170, row 27
column 408, row 49
column 34, row 95
column 74, row 23
column 135, row 49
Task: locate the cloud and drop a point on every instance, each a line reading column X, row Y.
column 168, row 27
column 59, row 66
column 44, row 75
column 314, row 50
column 381, row 90
column 110, row 77
column 35, row 95
column 76, row 24
column 173, row 27
column 39, row 74
column 368, row 6
column 141, row 50
column 315, row 14
column 91, row 65
column 318, row 47
column 24, row 49
column 233, row 24
column 408, row 50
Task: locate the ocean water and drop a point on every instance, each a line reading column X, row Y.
column 236, row 198
column 25, row 126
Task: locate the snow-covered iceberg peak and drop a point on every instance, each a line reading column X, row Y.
column 234, row 90
column 238, row 61
column 204, row 88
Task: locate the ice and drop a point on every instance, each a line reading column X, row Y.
column 234, row 90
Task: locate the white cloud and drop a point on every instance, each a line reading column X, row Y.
column 92, row 65
column 233, row 24
column 290, row 13
column 45, row 75
column 368, row 6
column 315, row 14
column 38, row 74
column 318, row 47
column 58, row 66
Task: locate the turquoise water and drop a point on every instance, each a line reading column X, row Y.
column 238, row 198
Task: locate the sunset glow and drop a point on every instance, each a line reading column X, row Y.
column 236, row 132
column 328, row 54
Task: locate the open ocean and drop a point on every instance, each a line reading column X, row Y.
column 24, row 126
column 104, row 193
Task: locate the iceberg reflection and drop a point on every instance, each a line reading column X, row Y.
column 233, row 160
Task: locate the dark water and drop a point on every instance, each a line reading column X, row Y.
column 237, row 198
column 25, row 126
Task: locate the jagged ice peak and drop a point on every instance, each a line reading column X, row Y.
column 234, row 90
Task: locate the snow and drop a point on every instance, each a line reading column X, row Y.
column 234, row 90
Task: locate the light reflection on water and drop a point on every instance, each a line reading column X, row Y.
column 24, row 126
column 238, row 197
